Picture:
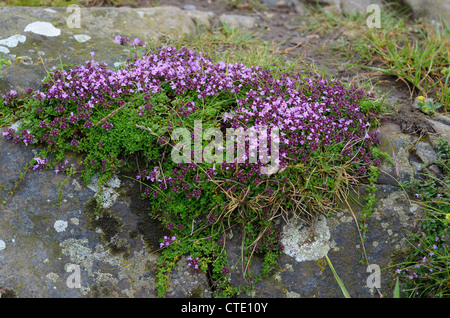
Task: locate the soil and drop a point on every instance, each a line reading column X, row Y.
column 411, row 122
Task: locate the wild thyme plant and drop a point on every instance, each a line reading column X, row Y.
column 425, row 271
column 117, row 117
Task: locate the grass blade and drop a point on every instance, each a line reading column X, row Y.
column 339, row 281
column 397, row 289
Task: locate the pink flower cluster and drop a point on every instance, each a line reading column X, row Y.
column 167, row 241
column 193, row 262
column 311, row 113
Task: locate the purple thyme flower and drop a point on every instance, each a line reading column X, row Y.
column 167, row 241
column 120, row 40
column 107, row 126
column 9, row 133
column 40, row 163
column 193, row 262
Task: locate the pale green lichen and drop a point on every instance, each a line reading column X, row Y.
column 304, row 243
column 108, row 194
column 2, row 245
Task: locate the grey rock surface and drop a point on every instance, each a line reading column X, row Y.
column 438, row 10
column 344, row 6
column 238, row 21
column 397, row 145
column 51, row 238
column 46, row 37
column 296, row 5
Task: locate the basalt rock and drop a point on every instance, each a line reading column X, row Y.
column 37, row 39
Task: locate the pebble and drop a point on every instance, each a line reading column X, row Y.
column 189, row 7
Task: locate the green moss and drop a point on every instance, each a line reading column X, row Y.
column 197, row 292
column 100, row 291
column 8, row 293
column 109, row 225
column 151, row 229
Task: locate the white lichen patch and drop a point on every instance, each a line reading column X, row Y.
column 2, row 245
column 75, row 221
column 303, row 243
column 42, row 28
column 133, row 270
column 89, row 259
column 4, row 49
column 60, row 226
column 13, row 41
column 108, row 195
column 82, row 37
column 77, row 185
column 291, row 294
column 53, row 277
column 398, row 203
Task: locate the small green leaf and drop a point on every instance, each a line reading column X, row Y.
column 397, row 289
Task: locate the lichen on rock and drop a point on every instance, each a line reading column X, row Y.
column 306, row 243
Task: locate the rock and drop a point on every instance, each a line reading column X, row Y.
column 425, row 152
column 357, row 6
column 238, row 21
column 189, row 7
column 233, row 247
column 60, row 226
column 185, row 282
column 444, row 119
column 202, row 18
column 297, row 240
column 108, row 192
column 44, row 38
column 429, row 9
column 397, row 145
column 426, row 9
column 441, row 131
column 296, row 5
column 332, row 10
column 273, row 3
column 345, row 6
column 51, row 238
column 310, row 277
